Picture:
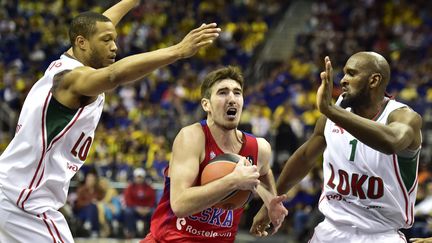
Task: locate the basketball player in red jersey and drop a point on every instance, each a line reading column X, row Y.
column 185, row 212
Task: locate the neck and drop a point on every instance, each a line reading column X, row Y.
column 76, row 55
column 371, row 110
column 229, row 140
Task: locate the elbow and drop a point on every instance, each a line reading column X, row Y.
column 179, row 211
column 389, row 147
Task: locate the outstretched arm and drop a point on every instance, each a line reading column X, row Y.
column 90, row 82
column 274, row 208
column 295, row 169
column 400, row 133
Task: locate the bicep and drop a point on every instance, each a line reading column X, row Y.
column 88, row 81
column 184, row 164
column 406, row 124
column 264, row 156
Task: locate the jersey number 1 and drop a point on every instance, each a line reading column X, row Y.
column 83, row 147
column 353, row 149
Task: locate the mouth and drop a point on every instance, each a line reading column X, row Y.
column 112, row 58
column 231, row 113
column 344, row 92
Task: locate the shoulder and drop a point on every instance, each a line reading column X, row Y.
column 192, row 131
column 263, row 145
column 77, row 72
column 406, row 115
column 190, row 136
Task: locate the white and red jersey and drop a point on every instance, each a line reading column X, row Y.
column 51, row 143
column 364, row 188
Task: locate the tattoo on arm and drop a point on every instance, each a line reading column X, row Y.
column 57, row 80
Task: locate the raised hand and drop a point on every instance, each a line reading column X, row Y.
column 198, row 38
column 324, row 93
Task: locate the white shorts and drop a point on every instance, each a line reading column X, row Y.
column 327, row 232
column 17, row 225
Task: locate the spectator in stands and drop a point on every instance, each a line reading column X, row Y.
column 84, row 208
column 140, row 199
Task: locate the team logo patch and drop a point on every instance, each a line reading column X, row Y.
column 212, row 155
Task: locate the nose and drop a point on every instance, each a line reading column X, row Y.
column 113, row 47
column 231, row 98
column 344, row 80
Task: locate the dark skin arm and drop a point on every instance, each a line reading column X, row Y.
column 89, row 82
column 401, row 132
column 295, row 169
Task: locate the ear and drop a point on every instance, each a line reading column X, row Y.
column 205, row 103
column 375, row 80
column 81, row 42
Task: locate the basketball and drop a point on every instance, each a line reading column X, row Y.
column 219, row 167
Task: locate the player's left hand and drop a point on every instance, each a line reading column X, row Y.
column 324, row 93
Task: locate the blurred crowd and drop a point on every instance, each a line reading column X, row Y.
column 124, row 171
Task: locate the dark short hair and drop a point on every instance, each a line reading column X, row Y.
column 84, row 24
column 229, row 72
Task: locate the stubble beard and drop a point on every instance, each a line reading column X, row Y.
column 361, row 99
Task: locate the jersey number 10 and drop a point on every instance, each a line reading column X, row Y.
column 84, row 147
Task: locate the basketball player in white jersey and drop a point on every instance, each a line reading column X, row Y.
column 371, row 146
column 58, row 119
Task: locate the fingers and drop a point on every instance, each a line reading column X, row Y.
column 329, row 69
column 281, row 198
column 259, row 229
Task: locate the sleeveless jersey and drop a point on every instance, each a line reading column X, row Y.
column 50, row 145
column 211, row 225
column 364, row 188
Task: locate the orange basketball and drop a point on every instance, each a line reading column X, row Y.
column 219, row 167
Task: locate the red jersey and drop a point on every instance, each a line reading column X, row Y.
column 213, row 225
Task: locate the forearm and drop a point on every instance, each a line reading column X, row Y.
column 137, row 66
column 300, row 163
column 267, row 188
column 117, row 11
column 196, row 199
column 384, row 138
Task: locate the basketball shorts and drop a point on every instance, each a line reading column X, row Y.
column 17, row 226
column 327, row 232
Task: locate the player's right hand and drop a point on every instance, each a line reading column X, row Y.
column 246, row 175
column 197, row 38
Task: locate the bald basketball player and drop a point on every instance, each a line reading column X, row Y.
column 371, row 146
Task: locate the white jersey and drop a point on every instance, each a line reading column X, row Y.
column 51, row 143
column 364, row 188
